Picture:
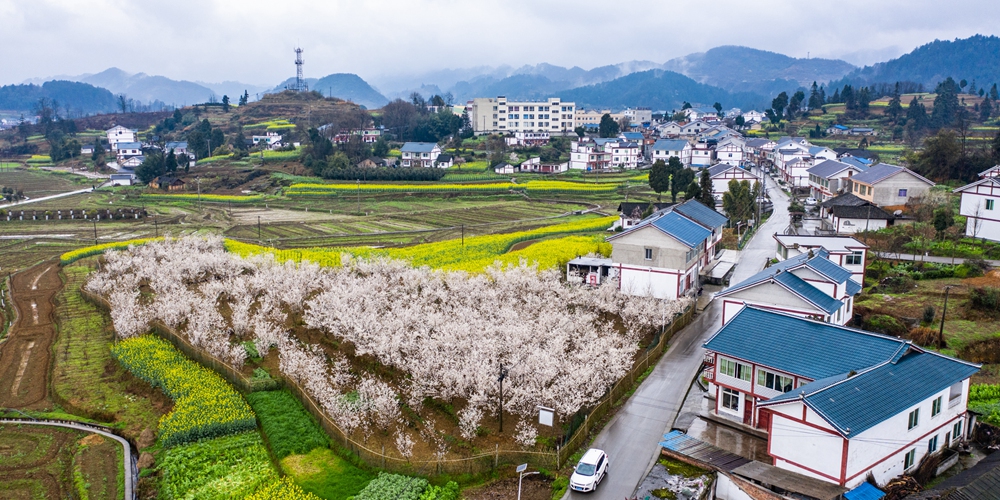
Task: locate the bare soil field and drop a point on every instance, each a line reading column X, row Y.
column 25, row 355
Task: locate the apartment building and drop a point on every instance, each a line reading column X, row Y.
column 502, row 116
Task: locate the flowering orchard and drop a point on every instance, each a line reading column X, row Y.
column 438, row 334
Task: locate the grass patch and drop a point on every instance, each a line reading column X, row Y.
column 289, row 428
column 221, row 468
column 325, row 474
column 678, row 468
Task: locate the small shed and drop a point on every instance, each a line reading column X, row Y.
column 167, row 183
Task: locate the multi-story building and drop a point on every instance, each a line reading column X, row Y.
column 528, row 139
column 624, row 154
column 664, row 149
column 978, row 205
column 503, row 116
column 838, row 404
column 420, row 154
column 588, row 155
column 119, row 134
column 889, row 185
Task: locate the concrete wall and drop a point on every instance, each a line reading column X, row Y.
column 668, row 253
column 767, row 295
column 887, row 192
column 851, row 226
column 982, row 223
column 649, row 282
column 810, row 447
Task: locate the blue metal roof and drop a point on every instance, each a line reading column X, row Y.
column 822, row 265
column 682, row 229
column 418, row 147
column 632, row 136
column 859, row 163
column 670, row 145
column 853, row 287
column 828, row 168
column 701, row 214
column 865, row 491
column 175, row 145
column 858, row 403
column 808, row 348
column 808, row 292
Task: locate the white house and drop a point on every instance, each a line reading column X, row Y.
column 829, row 178
column 505, row 168
column 588, row 155
column 701, row 155
column 630, row 213
column 501, row 115
column 722, row 173
column 521, row 138
column 796, row 171
column 978, row 205
column 730, row 151
column 889, row 185
column 119, row 134
column 661, row 255
column 807, row 285
column 420, row 154
column 845, row 251
column 271, row 139
column 852, row 218
column 126, row 150
column 122, row 179
column 663, row 149
column 669, row 129
column 624, row 154
column 179, row 148
column 837, row 403
column 695, row 127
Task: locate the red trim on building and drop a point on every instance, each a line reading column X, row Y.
column 911, row 443
column 807, row 423
column 814, row 471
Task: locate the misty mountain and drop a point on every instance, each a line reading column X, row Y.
column 743, row 69
column 147, row 88
column 347, row 86
column 974, row 58
column 234, row 89
column 80, row 98
column 656, row 89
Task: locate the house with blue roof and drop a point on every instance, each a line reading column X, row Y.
column 807, row 285
column 837, row 403
column 722, row 173
column 420, row 154
column 661, row 255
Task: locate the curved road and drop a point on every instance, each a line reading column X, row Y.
column 631, row 438
column 128, row 459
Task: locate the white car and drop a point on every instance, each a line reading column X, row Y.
column 590, row 471
column 810, row 201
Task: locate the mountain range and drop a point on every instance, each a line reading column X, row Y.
column 732, row 75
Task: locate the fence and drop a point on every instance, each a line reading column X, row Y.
column 387, row 460
column 616, row 392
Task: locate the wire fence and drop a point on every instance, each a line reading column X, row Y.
column 389, row 459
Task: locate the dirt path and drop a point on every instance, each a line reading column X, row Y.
column 25, row 355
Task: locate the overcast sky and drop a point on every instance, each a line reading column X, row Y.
column 251, row 41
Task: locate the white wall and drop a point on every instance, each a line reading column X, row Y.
column 981, row 223
column 725, row 489
column 648, row 282
column 768, row 296
column 851, row 226
column 892, row 439
column 802, row 448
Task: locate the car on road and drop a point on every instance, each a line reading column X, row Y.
column 590, row 471
column 810, row 201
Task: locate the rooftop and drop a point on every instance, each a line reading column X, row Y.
column 418, row 147
column 829, row 168
column 670, row 144
column 882, row 171
column 682, row 229
column 790, row 481
column 861, row 212
column 701, row 214
column 831, row 243
column 808, row 348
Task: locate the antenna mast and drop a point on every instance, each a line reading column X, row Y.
column 300, row 83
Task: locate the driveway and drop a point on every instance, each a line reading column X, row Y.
column 630, row 438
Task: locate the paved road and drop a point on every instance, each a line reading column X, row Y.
column 631, row 437
column 128, row 462
column 45, row 198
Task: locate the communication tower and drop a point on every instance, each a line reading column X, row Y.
column 300, row 82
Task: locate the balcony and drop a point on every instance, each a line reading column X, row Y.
column 709, row 359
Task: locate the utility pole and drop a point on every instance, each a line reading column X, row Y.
column 944, row 311
column 95, row 230
column 156, row 227
column 503, row 375
column 258, row 228
column 463, row 235
column 199, row 194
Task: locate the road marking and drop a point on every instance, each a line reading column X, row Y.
column 21, row 369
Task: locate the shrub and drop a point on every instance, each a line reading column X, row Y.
column 928, row 315
column 205, row 405
column 883, row 323
column 978, row 264
column 986, row 299
column 924, row 336
column 900, row 283
column 393, row 487
column 283, row 489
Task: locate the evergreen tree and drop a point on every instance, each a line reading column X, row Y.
column 608, row 127
column 659, row 178
column 718, row 108
column 707, row 197
column 993, row 93
column 814, row 97
column 680, row 177
column 244, row 98
column 895, row 108
column 225, row 103
column 151, row 167
column 864, row 96
column 945, row 104
column 380, row 148
column 170, row 163
column 986, row 109
column 795, row 104
column 836, row 97
column 779, row 103
column 692, row 191
column 916, row 115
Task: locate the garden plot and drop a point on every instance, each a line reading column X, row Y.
column 42, row 462
column 38, row 183
column 380, row 345
column 25, row 356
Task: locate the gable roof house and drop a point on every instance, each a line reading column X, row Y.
column 723, row 173
column 702, row 154
column 845, row 251
column 419, row 154
column 829, row 178
column 630, row 213
column 669, row 129
column 118, row 134
column 979, row 205
column 889, row 185
column 730, row 151
column 663, row 149
column 807, row 285
column 660, row 256
column 837, row 403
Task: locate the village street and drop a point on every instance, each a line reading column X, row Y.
column 630, row 438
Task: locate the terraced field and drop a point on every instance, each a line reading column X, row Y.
column 36, row 183
column 51, row 462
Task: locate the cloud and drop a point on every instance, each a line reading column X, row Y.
column 252, row 40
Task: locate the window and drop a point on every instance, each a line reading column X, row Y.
column 649, row 254
column 932, row 444
column 914, row 419
column 955, row 394
column 730, row 399
column 774, row 382
column 902, row 192
column 855, row 259
column 734, row 369
column 911, row 457
column 956, row 430
column 936, row 407
column 989, row 204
